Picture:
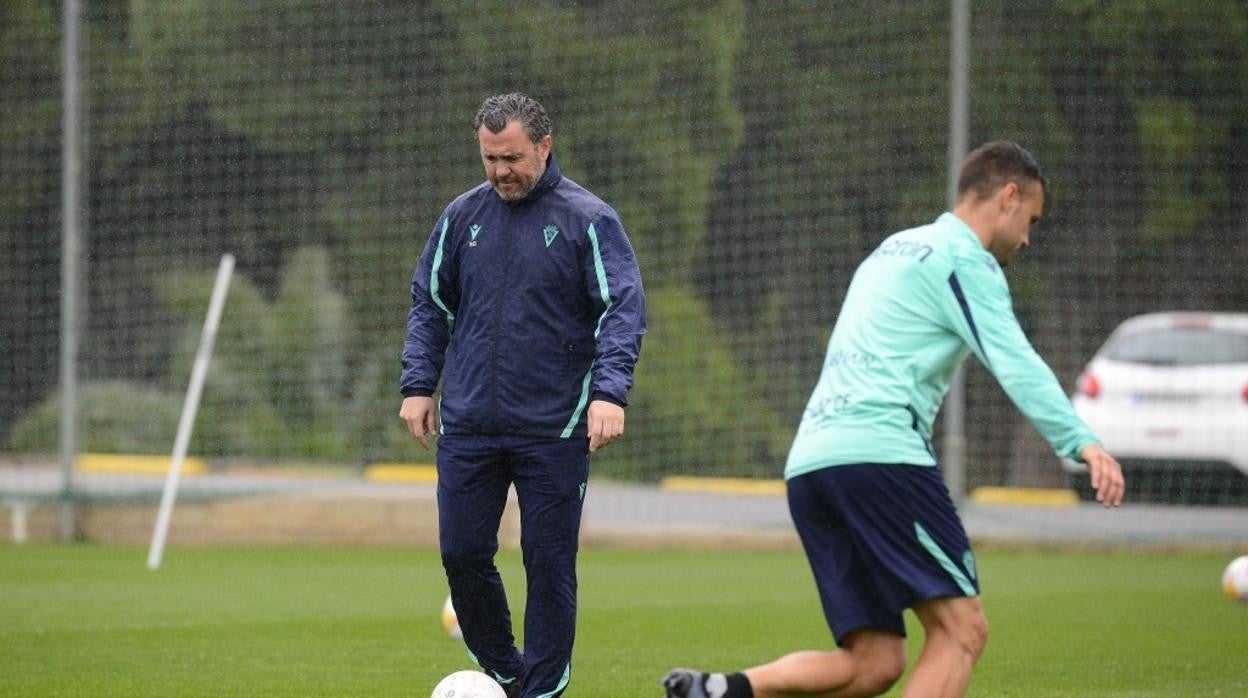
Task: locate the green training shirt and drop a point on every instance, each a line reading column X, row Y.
column 917, row 306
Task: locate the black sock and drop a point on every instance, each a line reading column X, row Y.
column 738, row 686
column 727, row 686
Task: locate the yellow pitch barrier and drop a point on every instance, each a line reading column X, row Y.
column 722, row 485
column 400, row 472
column 132, row 464
column 1025, row 496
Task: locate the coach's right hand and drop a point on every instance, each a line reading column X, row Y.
column 417, row 411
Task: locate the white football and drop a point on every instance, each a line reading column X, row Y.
column 468, row 684
column 450, row 621
column 1235, row 579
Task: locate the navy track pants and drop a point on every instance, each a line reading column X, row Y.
column 474, row 474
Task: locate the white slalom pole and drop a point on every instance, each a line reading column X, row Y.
column 198, row 373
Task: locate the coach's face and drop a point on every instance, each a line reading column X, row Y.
column 1019, row 209
column 513, row 163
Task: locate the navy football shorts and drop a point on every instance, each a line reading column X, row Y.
column 880, row 539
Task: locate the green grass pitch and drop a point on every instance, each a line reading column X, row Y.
column 93, row 621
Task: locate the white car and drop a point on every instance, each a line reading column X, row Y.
column 1168, row 396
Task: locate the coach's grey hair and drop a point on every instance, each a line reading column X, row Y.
column 498, row 111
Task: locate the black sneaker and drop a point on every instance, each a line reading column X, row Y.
column 684, row 683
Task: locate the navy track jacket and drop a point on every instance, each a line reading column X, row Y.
column 536, row 308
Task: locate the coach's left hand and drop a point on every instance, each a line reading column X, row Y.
column 606, row 423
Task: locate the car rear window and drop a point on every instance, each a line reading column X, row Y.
column 1181, row 347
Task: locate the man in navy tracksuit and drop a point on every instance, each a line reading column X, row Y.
column 527, row 303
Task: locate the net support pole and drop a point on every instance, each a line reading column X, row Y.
column 199, row 372
column 71, row 262
column 953, row 456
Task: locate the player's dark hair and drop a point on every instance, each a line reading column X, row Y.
column 498, row 111
column 993, row 165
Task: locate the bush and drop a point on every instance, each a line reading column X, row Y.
column 114, row 417
column 278, row 381
column 693, row 410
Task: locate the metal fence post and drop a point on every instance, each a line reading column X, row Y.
column 953, row 457
column 71, row 220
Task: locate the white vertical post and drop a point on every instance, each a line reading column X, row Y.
column 19, row 516
column 199, row 372
column 953, row 456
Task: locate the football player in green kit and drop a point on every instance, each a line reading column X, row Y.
column 865, row 490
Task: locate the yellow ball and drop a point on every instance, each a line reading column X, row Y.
column 1235, row 579
column 450, row 621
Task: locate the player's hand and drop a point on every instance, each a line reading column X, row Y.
column 417, row 411
column 1106, row 475
column 606, row 423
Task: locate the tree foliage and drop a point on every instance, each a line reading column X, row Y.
column 755, row 151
